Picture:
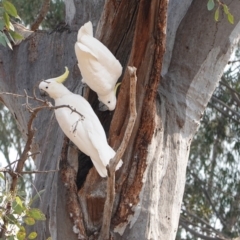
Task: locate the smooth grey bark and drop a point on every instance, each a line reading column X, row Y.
column 196, row 53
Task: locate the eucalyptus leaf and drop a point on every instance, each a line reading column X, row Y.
column 230, row 18
column 2, row 25
column 10, row 8
column 36, row 213
column 8, row 42
column 32, row 235
column 15, row 35
column 6, row 20
column 226, row 9
column 216, row 15
column 29, row 221
column 210, row 5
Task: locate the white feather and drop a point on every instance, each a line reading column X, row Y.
column 85, row 132
column 98, row 66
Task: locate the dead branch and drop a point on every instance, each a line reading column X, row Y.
column 108, row 206
column 13, row 173
column 68, row 176
column 195, row 233
column 226, row 106
column 42, row 14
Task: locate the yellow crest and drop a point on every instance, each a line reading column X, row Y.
column 63, row 77
column 116, row 87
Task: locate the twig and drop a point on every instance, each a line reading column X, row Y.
column 202, row 221
column 196, row 234
column 12, row 173
column 42, row 14
column 108, row 206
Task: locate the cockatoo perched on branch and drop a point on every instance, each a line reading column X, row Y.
column 99, row 68
column 80, row 123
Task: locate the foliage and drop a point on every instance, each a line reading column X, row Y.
column 220, row 5
column 10, row 137
column 11, row 141
column 16, row 214
column 7, row 31
column 28, row 9
column 211, row 203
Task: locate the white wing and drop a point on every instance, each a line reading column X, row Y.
column 88, row 134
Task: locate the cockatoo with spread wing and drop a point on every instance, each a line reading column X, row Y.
column 80, row 123
column 99, row 68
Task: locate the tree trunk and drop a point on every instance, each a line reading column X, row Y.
column 150, row 184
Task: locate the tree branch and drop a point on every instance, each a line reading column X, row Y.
column 226, row 106
column 12, row 173
column 201, row 221
column 196, row 234
column 234, row 93
column 108, row 206
column 223, row 112
column 42, row 14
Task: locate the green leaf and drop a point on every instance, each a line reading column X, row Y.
column 6, row 20
column 18, row 206
column 10, row 9
column 230, row 18
column 21, row 235
column 216, row 15
column 38, row 195
column 11, row 238
column 8, row 42
column 1, row 174
column 36, row 214
column 210, row 5
column 32, row 235
column 29, row 221
column 1, row 25
column 15, row 35
column 18, row 201
column 2, row 39
column 11, row 219
column 226, row 9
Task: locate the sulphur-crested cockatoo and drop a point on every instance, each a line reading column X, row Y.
column 80, row 123
column 99, row 68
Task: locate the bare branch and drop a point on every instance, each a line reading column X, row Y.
column 196, row 234
column 234, row 93
column 224, row 113
column 226, row 106
column 202, row 221
column 108, row 206
column 12, row 173
column 42, row 14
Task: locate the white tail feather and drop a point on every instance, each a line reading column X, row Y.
column 86, row 29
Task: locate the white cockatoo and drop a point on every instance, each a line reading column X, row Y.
column 80, row 124
column 99, row 68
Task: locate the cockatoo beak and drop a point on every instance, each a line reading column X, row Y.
column 63, row 77
column 116, row 87
column 102, row 107
column 43, row 93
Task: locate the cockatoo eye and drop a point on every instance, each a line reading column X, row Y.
column 46, row 87
column 108, row 101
